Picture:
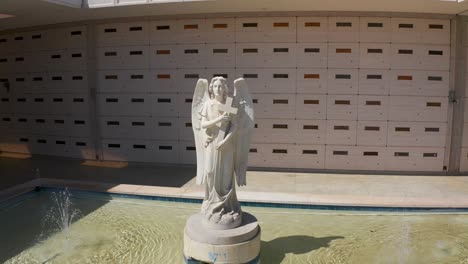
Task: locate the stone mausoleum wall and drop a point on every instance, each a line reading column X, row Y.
column 351, row 93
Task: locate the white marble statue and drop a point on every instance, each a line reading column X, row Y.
column 223, row 121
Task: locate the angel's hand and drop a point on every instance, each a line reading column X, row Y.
column 226, row 117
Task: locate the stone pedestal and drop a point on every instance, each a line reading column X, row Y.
column 240, row 245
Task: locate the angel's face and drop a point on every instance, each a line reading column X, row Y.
column 218, row 88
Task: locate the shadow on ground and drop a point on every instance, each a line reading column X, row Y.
column 21, row 221
column 23, row 213
column 30, row 218
column 274, row 251
column 18, row 171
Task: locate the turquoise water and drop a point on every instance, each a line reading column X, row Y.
column 124, row 230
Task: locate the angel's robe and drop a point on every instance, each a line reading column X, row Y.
column 220, row 204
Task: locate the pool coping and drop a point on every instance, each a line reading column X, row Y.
column 247, row 198
column 18, row 190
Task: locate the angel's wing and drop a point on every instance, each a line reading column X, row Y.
column 245, row 129
column 199, row 98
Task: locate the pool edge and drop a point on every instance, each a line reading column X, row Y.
column 18, row 190
column 95, row 187
column 103, row 188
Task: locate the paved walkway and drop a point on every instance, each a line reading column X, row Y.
column 22, row 173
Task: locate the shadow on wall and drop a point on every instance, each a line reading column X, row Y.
column 274, row 251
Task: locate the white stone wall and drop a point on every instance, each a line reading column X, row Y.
column 45, row 110
column 464, row 146
column 353, row 93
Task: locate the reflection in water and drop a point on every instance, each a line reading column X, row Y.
column 404, row 248
column 117, row 230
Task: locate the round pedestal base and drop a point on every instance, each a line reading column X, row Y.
column 240, row 245
column 194, row 261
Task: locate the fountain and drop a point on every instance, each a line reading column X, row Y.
column 57, row 221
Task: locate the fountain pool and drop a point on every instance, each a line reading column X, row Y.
column 114, row 229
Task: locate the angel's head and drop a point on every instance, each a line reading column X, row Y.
column 218, row 88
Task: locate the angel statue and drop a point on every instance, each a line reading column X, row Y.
column 222, row 122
